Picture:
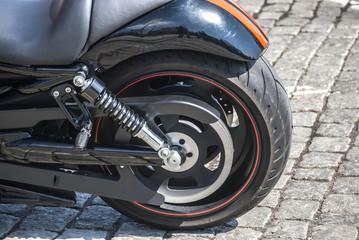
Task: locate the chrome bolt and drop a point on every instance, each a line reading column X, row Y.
column 164, row 153
column 56, row 94
column 68, row 89
column 79, row 81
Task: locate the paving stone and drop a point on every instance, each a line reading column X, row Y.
column 315, row 71
column 285, row 30
column 346, row 185
column 346, row 87
column 316, row 26
column 280, row 7
column 338, row 115
column 301, row 134
column 305, row 105
column 31, row 235
column 305, row 190
column 353, row 154
column 314, row 174
column 272, row 199
column 206, row 232
column 270, row 15
column 266, row 23
column 79, row 234
column 301, row 14
column 6, row 223
column 290, row 21
column 257, row 217
column 329, row 144
column 351, row 63
column 287, row 229
column 320, row 159
column 14, row 209
column 339, row 219
column 339, row 33
column 348, row 76
column 316, row 82
column 297, row 209
column 48, row 218
column 349, row 168
column 304, row 119
column 296, row 150
column 335, row 130
column 319, row 61
column 337, row 232
column 81, row 199
column 343, row 204
column 133, row 230
column 283, row 180
column 98, row 201
column 97, row 217
column 243, row 233
column 333, row 47
column 347, row 100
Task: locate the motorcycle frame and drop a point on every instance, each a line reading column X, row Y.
column 218, row 27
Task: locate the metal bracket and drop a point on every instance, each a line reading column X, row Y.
column 83, row 122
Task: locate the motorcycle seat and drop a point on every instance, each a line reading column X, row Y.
column 57, row 32
column 34, row 32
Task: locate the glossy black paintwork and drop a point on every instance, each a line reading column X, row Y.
column 195, row 25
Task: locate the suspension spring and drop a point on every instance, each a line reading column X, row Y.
column 95, row 92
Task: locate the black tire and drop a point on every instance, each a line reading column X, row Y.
column 254, row 91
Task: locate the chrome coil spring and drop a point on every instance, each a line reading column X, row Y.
column 122, row 114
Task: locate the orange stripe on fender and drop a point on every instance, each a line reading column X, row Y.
column 244, row 18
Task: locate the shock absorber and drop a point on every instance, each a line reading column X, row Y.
column 94, row 91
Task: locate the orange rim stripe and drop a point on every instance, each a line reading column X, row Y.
column 246, row 19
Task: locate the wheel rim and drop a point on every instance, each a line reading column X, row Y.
column 185, row 85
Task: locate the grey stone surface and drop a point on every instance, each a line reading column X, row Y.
column 339, row 219
column 257, row 217
column 338, row 115
column 320, row 160
column 97, row 217
column 81, row 234
column 287, row 229
column 7, row 222
column 347, row 185
column 340, row 203
column 14, row 209
column 326, row 144
column 48, row 218
column 296, row 150
column 304, row 119
column 353, row 154
column 131, row 230
column 271, row 200
column 243, row 233
column 338, row 232
column 31, row 235
column 305, row 190
column 349, row 168
column 297, row 209
column 301, row 134
column 314, row 174
column 335, row 130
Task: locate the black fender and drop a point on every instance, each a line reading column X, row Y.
column 219, row 27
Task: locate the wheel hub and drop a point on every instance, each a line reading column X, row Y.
column 190, row 148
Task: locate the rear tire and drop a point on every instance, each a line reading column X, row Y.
column 256, row 110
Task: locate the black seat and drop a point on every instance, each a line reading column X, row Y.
column 34, row 32
column 57, row 32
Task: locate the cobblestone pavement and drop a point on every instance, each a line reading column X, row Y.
column 315, row 49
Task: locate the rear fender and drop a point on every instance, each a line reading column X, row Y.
column 219, row 27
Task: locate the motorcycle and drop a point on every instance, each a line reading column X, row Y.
column 165, row 108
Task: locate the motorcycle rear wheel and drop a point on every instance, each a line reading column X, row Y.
column 221, row 184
